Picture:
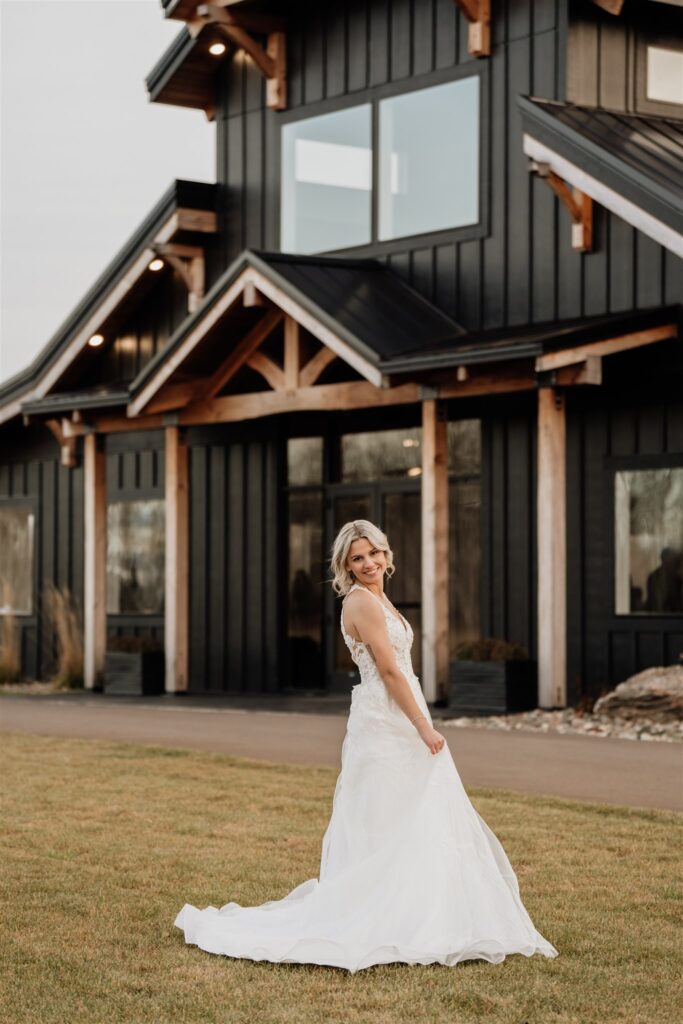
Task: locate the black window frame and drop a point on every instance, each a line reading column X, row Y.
column 373, row 96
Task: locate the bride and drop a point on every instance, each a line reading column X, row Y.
column 409, row 871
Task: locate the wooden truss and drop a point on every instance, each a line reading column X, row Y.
column 478, row 14
column 240, row 28
column 579, row 204
column 188, row 261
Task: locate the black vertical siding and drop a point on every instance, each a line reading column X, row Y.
column 605, row 433
column 508, row 586
column 235, row 547
column 524, row 268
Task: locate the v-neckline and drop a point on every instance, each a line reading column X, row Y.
column 399, row 618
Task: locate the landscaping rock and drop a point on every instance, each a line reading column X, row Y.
column 656, row 693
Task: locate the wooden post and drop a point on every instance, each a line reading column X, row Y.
column 291, row 359
column 435, row 636
column 95, row 568
column 552, row 549
column 177, row 563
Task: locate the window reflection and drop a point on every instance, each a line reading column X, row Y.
column 304, row 461
column 16, row 560
column 381, row 455
column 648, row 521
column 306, row 582
column 135, row 557
column 327, row 181
column 664, row 74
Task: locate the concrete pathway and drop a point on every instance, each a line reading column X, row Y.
column 611, row 771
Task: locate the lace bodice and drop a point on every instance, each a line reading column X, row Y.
column 400, row 637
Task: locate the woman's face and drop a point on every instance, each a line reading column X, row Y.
column 367, row 563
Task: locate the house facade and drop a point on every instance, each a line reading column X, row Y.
column 437, row 284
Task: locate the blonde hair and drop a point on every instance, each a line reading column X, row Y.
column 358, row 529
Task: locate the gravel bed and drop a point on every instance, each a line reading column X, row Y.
column 569, row 721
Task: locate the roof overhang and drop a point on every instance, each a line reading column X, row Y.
column 575, row 144
column 355, row 308
column 185, row 214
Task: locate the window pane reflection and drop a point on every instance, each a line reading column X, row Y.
column 345, row 510
column 16, row 560
column 304, row 461
column 327, row 181
column 135, row 557
column 306, row 583
column 429, row 159
column 381, row 455
column 664, row 74
column 648, row 526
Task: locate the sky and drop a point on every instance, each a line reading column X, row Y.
column 84, row 155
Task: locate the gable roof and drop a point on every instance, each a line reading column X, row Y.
column 358, row 307
column 174, row 215
column 631, row 164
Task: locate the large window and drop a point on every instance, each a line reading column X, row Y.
column 135, row 557
column 340, row 193
column 16, row 559
column 327, row 181
column 648, row 528
column 659, row 72
column 429, row 159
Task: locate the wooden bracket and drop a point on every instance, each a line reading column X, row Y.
column 188, row 260
column 611, row 6
column 478, row 14
column 67, row 445
column 239, row 29
column 580, row 206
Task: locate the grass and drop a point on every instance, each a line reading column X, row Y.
column 103, row 842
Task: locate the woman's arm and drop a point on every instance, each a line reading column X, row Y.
column 367, row 618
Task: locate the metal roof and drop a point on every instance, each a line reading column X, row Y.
column 361, row 301
column 640, row 157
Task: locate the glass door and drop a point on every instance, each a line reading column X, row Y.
column 395, row 508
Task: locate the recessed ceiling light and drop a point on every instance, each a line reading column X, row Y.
column 156, row 264
column 96, row 340
column 217, row 49
column 410, row 442
column 415, row 471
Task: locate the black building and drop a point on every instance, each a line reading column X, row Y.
column 437, row 284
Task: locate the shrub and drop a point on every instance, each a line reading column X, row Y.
column 490, row 648
column 62, row 613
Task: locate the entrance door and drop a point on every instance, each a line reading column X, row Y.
column 395, row 507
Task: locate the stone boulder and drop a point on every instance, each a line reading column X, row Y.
column 656, row 693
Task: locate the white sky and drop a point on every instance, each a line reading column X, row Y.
column 84, row 155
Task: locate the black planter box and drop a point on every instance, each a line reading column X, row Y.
column 134, row 673
column 492, row 687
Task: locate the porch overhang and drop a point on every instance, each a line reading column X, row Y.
column 177, row 224
column 628, row 163
column 357, row 310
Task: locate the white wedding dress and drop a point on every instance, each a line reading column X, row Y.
column 409, row 871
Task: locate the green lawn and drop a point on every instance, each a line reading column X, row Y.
column 103, row 842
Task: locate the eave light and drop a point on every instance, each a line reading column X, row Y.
column 414, row 471
column 156, row 264
column 217, row 49
column 96, row 340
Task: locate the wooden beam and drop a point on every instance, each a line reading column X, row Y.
column 67, row 445
column 241, row 352
column 316, row 366
column 356, row 395
column 487, row 384
column 552, row 549
column 95, row 564
column 252, row 297
column 188, row 261
column 174, row 396
column 271, row 60
column 579, row 205
column 291, row 354
column 478, row 14
column 608, row 347
column 176, row 621
column 269, row 370
column 611, row 6
column 435, row 554
column 587, row 372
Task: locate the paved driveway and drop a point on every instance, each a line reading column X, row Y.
column 613, row 771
